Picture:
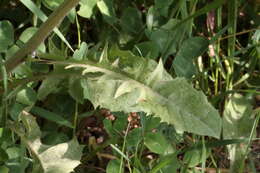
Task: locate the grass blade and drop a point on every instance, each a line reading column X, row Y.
column 45, row 29
column 215, row 4
column 38, row 12
column 50, row 116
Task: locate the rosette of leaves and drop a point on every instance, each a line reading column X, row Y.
column 125, row 82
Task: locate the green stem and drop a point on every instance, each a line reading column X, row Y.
column 219, row 26
column 78, row 30
column 4, row 105
column 253, row 130
column 75, row 119
column 55, row 19
column 232, row 21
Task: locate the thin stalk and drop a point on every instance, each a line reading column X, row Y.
column 55, row 19
column 219, row 26
column 4, row 111
column 75, row 118
column 229, row 62
column 249, row 141
column 35, row 18
column 123, row 150
column 192, row 10
column 78, row 31
column 239, row 33
column 232, row 21
column 204, row 155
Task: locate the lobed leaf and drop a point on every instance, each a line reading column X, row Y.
column 142, row 85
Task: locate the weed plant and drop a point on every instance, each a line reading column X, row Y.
column 134, row 86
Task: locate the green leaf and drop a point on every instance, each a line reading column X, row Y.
column 157, row 143
column 48, row 86
column 23, row 71
column 86, row 8
column 147, row 49
column 38, row 12
column 191, row 48
column 237, row 119
column 11, row 51
column 15, row 110
column 211, row 6
column 81, row 52
column 166, row 37
column 131, row 20
column 153, row 19
column 114, row 167
column 167, row 164
column 76, row 90
column 163, row 6
column 26, row 96
column 3, row 155
column 13, row 152
column 52, row 4
column 134, row 137
column 152, row 90
column 150, row 122
column 237, row 123
column 61, row 158
column 54, row 138
column 136, row 170
column 6, row 35
column 107, row 10
column 39, row 68
column 61, row 104
column 50, row 116
column 194, row 157
column 4, row 169
column 109, row 127
column 161, row 38
column 27, row 34
column 120, row 123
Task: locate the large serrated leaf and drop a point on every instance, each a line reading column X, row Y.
column 143, row 85
column 60, row 158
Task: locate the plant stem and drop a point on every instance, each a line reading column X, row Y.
column 232, row 21
column 219, row 26
column 55, row 19
column 76, row 114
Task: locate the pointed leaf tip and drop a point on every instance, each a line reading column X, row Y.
column 157, row 74
column 104, row 56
